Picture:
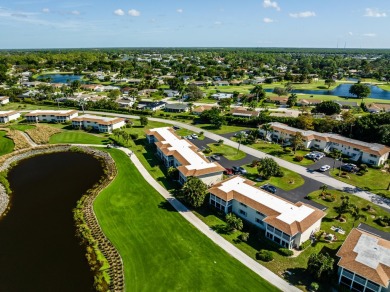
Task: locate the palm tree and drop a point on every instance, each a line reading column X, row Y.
column 258, row 91
column 240, row 136
column 267, row 128
column 324, row 188
column 356, row 215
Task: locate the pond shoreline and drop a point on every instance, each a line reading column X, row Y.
column 115, row 270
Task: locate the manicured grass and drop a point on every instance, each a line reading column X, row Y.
column 6, row 144
column 21, row 127
column 160, row 249
column 224, row 129
column 384, row 86
column 184, row 132
column 291, row 180
column 228, row 152
column 277, row 150
column 375, row 180
column 349, row 224
column 77, row 137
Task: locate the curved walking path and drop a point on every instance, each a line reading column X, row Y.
column 322, row 178
column 28, row 139
column 215, row 237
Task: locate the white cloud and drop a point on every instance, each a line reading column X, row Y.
column 303, row 14
column 46, row 10
column 350, row 33
column 272, row 4
column 267, row 20
column 371, row 35
column 217, row 22
column 75, row 12
column 133, row 12
column 179, row 10
column 373, row 12
column 119, row 12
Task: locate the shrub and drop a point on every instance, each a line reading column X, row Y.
column 330, row 197
column 279, row 173
column 244, row 236
column 314, row 286
column 298, row 158
column 264, row 255
column 286, row 252
column 305, row 245
column 134, row 136
column 207, row 151
column 364, row 167
column 287, row 150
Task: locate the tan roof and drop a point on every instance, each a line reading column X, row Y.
column 202, row 108
column 244, row 112
column 272, row 215
column 8, row 113
column 100, row 121
column 379, row 106
column 54, row 113
column 4, row 97
column 278, row 98
column 184, row 167
column 350, row 259
column 372, row 148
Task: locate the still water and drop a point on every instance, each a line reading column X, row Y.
column 38, row 247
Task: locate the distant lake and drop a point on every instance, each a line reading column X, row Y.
column 61, row 78
column 343, row 91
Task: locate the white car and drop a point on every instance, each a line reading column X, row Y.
column 324, row 168
column 194, row 136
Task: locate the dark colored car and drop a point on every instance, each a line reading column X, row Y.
column 349, row 167
column 269, row 188
column 239, row 170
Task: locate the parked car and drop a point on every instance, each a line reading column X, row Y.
column 194, row 136
column 239, row 170
column 189, row 137
column 176, row 127
column 228, row 171
column 215, row 157
column 269, row 188
column 315, row 155
column 350, row 167
column 324, row 168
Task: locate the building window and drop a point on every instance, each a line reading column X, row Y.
column 345, row 281
column 242, row 204
column 259, row 221
column 242, row 212
column 261, row 214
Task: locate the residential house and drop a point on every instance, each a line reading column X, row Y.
column 244, row 113
column 288, row 224
column 235, row 82
column 126, row 102
column 171, row 93
column 4, row 100
column 183, row 155
column 53, row 116
column 347, row 104
column 147, row 92
column 282, row 100
column 308, row 102
column 176, row 108
column 8, row 116
column 151, row 105
column 98, row 123
column 200, row 109
column 134, row 81
column 369, row 153
column 364, row 263
column 198, row 83
column 221, row 95
column 374, row 108
column 221, row 83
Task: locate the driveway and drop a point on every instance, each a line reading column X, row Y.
column 325, row 161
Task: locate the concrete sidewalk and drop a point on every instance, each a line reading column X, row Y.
column 215, row 237
column 305, row 172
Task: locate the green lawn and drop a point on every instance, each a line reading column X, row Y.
column 347, row 226
column 161, row 250
column 277, row 150
column 384, row 86
column 224, row 129
column 77, row 137
column 6, row 144
column 228, row 152
column 21, row 127
column 375, row 180
column 291, row 180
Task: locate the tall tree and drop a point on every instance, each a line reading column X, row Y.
column 267, row 167
column 240, row 137
column 292, row 100
column 360, row 90
column 144, row 121
column 233, row 222
column 259, row 92
column 329, row 82
column 328, row 107
column 298, row 141
column 279, row 91
column 305, row 122
column 320, row 265
column 194, row 191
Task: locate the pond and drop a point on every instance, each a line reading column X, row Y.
column 38, row 247
column 61, row 78
column 343, row 90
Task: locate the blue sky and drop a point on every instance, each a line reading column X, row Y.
column 195, row 23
